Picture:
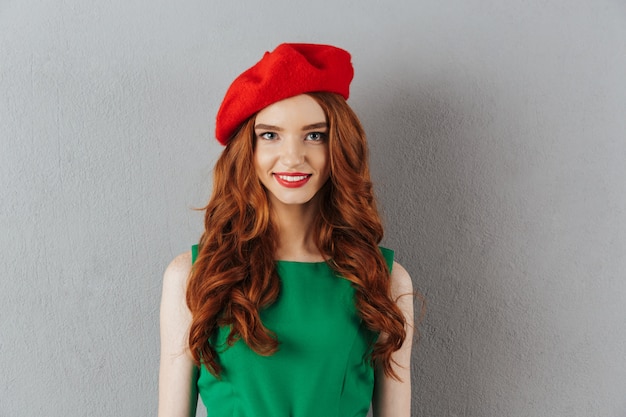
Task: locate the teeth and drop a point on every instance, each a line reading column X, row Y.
column 292, row 178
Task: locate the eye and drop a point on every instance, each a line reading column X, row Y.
column 268, row 135
column 316, row 136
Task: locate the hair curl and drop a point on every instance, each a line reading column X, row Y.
column 234, row 276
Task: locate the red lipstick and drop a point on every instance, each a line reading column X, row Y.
column 291, row 179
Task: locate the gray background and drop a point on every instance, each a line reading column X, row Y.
column 498, row 146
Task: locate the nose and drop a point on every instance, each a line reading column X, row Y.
column 292, row 152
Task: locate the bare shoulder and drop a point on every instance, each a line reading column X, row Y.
column 400, row 280
column 177, row 272
column 177, row 371
column 175, row 316
column 181, row 263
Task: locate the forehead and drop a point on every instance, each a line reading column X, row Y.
column 297, row 110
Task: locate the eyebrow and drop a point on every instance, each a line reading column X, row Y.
column 319, row 125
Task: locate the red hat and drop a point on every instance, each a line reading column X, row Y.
column 291, row 69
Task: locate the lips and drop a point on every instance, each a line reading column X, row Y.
column 291, row 179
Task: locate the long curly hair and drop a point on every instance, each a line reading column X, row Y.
column 234, row 276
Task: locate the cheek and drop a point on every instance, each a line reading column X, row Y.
column 263, row 165
column 258, row 163
column 322, row 162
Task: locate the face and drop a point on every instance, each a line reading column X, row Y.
column 291, row 152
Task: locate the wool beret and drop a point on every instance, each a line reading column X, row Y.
column 289, row 70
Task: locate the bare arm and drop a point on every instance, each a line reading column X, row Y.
column 393, row 398
column 178, row 395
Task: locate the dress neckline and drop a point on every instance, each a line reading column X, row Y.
column 287, row 262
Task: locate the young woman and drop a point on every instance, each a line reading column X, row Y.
column 288, row 307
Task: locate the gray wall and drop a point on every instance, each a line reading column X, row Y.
column 498, row 138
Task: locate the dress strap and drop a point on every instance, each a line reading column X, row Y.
column 194, row 253
column 388, row 255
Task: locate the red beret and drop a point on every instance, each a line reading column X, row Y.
column 291, row 69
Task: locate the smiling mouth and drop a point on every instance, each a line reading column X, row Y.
column 292, row 180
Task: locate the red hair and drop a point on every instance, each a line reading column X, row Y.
column 234, row 276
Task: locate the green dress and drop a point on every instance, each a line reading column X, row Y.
column 321, row 367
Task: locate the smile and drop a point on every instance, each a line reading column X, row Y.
column 292, row 180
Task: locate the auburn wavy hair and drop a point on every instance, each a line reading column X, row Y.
column 234, row 276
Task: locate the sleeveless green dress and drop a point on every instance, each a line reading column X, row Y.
column 321, row 367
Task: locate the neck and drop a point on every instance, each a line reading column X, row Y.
column 296, row 238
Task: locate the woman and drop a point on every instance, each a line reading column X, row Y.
column 288, row 307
